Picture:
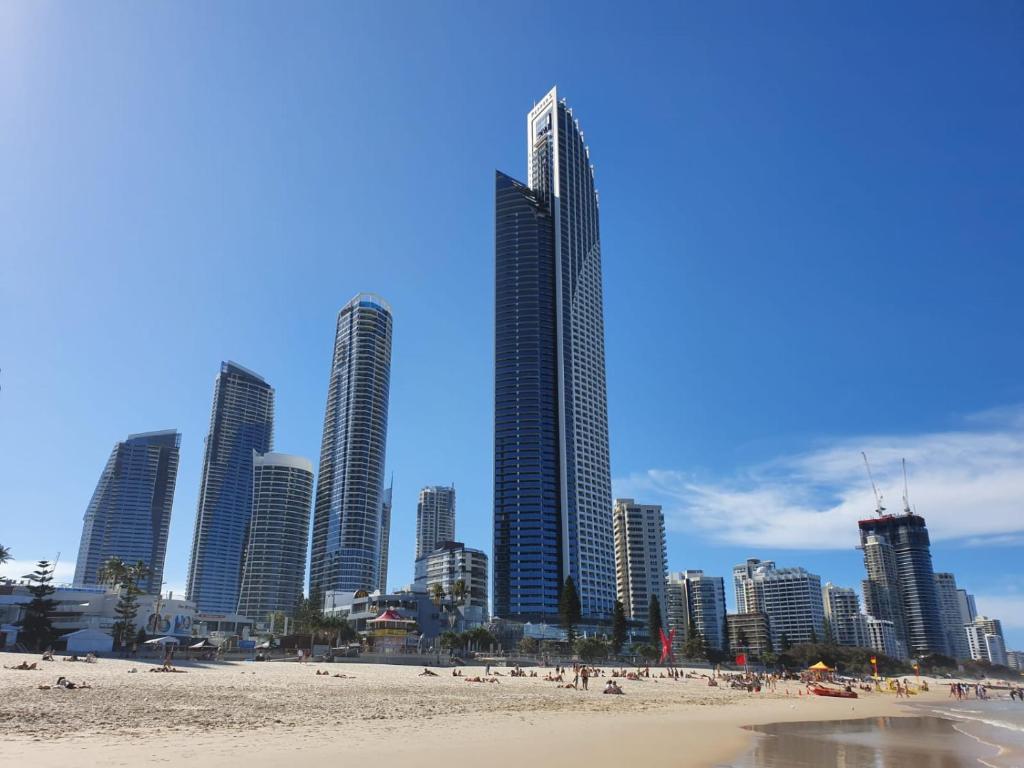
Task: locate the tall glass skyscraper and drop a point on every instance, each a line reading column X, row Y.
column 242, row 421
column 552, row 480
column 129, row 514
column 435, row 518
column 385, row 537
column 349, row 493
column 901, row 542
column 275, row 557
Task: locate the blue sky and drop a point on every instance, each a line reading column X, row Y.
column 811, row 220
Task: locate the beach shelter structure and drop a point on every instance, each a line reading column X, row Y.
column 820, row 671
column 88, row 641
column 391, row 632
column 168, row 640
column 202, row 645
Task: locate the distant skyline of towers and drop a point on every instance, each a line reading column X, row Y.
column 275, row 558
column 435, row 517
column 641, row 567
column 241, row 422
column 347, row 516
column 552, row 477
column 901, row 582
column 697, row 599
column 129, row 514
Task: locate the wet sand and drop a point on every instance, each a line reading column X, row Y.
column 878, row 742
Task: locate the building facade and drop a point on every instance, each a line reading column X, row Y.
column 451, row 562
column 985, row 640
column 275, row 558
column 435, row 517
column 791, row 599
column 952, row 620
column 842, row 612
column 741, row 574
column 900, row 543
column 640, row 560
column 346, row 547
column 692, row 597
column 241, row 422
column 968, row 609
column 883, row 637
column 129, row 514
column 552, row 477
column 749, row 634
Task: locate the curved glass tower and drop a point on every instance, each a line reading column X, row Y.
column 129, row 515
column 346, row 550
column 552, row 478
column 275, row 558
column 242, row 421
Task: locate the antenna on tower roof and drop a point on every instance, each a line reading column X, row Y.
column 879, row 509
column 906, row 493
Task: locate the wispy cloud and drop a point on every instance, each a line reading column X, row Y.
column 969, row 483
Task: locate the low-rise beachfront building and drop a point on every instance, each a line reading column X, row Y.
column 391, row 633
column 447, row 564
column 749, row 634
column 883, row 638
column 1014, row 660
column 359, row 608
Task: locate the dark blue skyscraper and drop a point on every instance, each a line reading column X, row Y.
column 242, row 421
column 552, row 478
column 129, row 514
column 349, row 507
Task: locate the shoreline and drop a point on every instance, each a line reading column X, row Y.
column 264, row 714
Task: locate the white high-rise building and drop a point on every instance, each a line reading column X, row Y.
column 791, row 599
column 845, row 621
column 741, row 574
column 985, row 640
column 640, row 561
column 435, row 518
column 882, row 637
column 697, row 599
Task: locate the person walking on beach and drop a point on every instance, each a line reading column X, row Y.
column 585, row 674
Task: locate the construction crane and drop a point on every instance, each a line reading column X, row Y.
column 879, row 509
column 906, row 493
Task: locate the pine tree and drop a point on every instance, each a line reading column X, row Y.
column 569, row 608
column 619, row 627
column 693, row 648
column 654, row 621
column 36, row 628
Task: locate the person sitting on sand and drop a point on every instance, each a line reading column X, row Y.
column 90, row 658
column 613, row 688
column 48, row 654
column 318, row 673
column 712, row 683
column 427, row 673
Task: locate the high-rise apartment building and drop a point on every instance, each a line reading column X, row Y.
column 741, row 574
column 385, row 537
column 845, row 621
column 275, row 557
column 435, row 517
column 350, row 487
column 952, row 621
column 129, row 514
column 749, row 634
column 901, row 543
column 241, row 422
column 640, row 560
column 985, row 640
column 967, row 606
column 883, row 637
column 791, row 599
column 552, row 478
column 694, row 598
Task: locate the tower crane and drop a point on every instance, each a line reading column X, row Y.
column 906, row 494
column 879, row 509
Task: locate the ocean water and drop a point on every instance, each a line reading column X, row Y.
column 998, row 722
column 927, row 741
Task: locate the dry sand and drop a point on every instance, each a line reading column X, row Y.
column 239, row 713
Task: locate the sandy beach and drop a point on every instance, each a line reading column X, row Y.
column 234, row 713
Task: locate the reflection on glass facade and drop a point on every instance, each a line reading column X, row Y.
column 275, row 558
column 242, row 421
column 552, row 480
column 385, row 538
column 346, row 550
column 129, row 514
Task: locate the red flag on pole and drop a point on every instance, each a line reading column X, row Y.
column 666, row 644
column 741, row 659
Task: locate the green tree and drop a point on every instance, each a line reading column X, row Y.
column 654, row 620
column 814, row 637
column 619, row 627
column 784, row 644
column 647, row 651
column 693, row 648
column 591, row 648
column 336, row 629
column 451, row 640
column 5, row 554
column 36, row 627
column 528, row 646
column 125, row 578
column 569, row 609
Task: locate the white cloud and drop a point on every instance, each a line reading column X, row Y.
column 18, row 569
column 968, row 483
column 1009, row 609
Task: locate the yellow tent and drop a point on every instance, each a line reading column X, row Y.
column 821, row 666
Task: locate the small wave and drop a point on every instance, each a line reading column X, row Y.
column 985, row 720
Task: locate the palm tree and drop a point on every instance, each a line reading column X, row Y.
column 437, row 594
column 113, row 572
column 5, row 554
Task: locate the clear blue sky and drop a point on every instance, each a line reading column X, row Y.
column 812, row 223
